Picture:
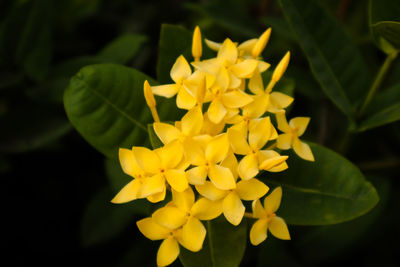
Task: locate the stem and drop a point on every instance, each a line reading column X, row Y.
column 377, row 82
column 248, row 215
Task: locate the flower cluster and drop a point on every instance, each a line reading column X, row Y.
column 211, row 157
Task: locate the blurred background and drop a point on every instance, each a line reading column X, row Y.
column 57, row 187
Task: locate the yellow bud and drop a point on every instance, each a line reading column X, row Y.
column 281, row 68
column 196, row 44
column 261, row 43
column 150, row 100
column 148, row 95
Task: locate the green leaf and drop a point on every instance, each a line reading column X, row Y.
column 174, row 41
column 31, row 126
column 154, row 140
column 105, row 103
column 334, row 59
column 224, row 245
column 123, row 48
column 103, row 220
column 387, row 115
column 116, row 177
column 326, row 242
column 384, row 109
column 384, row 22
column 328, row 191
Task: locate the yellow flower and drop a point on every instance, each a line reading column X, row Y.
column 165, row 163
column 267, row 219
column 142, row 185
column 180, row 72
column 206, row 154
column 183, row 212
column 169, row 248
column 264, row 100
column 255, row 159
column 292, row 131
column 232, row 205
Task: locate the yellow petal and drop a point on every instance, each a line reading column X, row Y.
column 211, row 192
column 256, row 85
column 169, row 217
column 241, row 127
column 300, row 124
column 197, row 48
column 234, row 81
column 303, row 150
column 273, row 200
column 192, row 122
column 183, row 200
column 147, row 159
column 228, row 52
column 281, row 68
column 258, row 210
column 216, row 111
column 261, row 43
column 238, row 142
column 282, row 122
column 212, row 128
column 180, row 70
column 205, row 209
column 231, row 163
column 281, row 167
column 193, row 234
column 194, row 152
column 222, row 80
column 221, row 177
column 128, row 163
column 278, row 228
column 248, row 167
column 245, row 69
column 272, row 162
column 168, row 252
column 217, row 149
column 209, row 66
column 166, row 132
column 152, row 185
column 233, row 208
column 177, row 179
column 281, row 100
column 284, row 141
column 258, row 232
column 247, row 46
column 157, row 197
column 259, row 133
column 213, row 45
column 166, row 90
column 236, row 99
column 150, row 229
column 128, row 193
column 197, row 175
column 184, row 99
column 263, row 66
column 171, row 154
column 251, row 189
column 148, row 95
column 257, row 108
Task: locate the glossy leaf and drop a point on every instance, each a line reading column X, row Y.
column 224, row 245
column 385, row 116
column 385, row 23
column 334, row 59
column 106, row 105
column 103, row 220
column 123, row 48
column 328, row 191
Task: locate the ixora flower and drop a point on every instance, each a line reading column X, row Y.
column 214, row 157
column 267, row 219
